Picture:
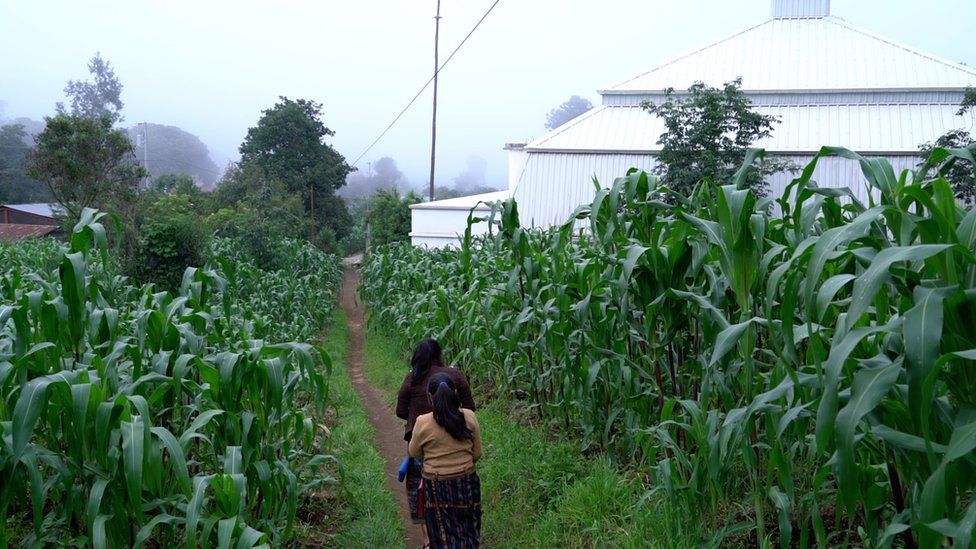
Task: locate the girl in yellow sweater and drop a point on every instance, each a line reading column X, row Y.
column 449, row 441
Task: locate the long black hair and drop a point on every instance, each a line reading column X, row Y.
column 447, row 406
column 426, row 354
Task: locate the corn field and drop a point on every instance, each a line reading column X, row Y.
column 130, row 416
column 796, row 370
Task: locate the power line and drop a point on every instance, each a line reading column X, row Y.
column 436, row 72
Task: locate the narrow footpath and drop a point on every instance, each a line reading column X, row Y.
column 388, row 428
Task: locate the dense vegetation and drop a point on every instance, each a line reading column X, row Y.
column 130, row 414
column 800, row 370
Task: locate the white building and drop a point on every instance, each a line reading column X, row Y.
column 827, row 81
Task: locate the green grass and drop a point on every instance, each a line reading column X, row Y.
column 366, row 514
column 537, row 489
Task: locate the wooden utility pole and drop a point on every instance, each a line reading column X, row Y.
column 433, row 129
column 311, row 199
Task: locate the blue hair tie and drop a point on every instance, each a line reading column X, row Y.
column 444, row 383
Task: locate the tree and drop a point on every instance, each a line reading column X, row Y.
column 382, row 174
column 960, row 175
column 85, row 163
column 707, row 136
column 15, row 186
column 288, row 145
column 569, row 110
column 100, row 97
column 389, row 216
column 174, row 151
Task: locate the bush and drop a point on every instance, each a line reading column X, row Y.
column 172, row 237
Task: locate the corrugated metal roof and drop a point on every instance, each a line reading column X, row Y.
column 45, row 210
column 11, row 232
column 819, row 54
column 863, row 128
column 463, row 202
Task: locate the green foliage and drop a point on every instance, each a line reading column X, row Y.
column 537, row 491
column 172, row 238
column 960, row 174
column 102, row 97
column 15, row 186
column 288, row 146
column 173, row 151
column 814, row 368
column 131, row 416
column 389, row 216
column 573, row 107
column 85, row 163
column 707, row 133
column 367, row 513
column 173, row 183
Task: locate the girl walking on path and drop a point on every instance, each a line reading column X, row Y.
column 413, row 402
column 449, row 442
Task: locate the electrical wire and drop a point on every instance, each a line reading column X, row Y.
column 424, row 88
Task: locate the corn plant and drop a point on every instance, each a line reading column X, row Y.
column 129, row 415
column 799, row 370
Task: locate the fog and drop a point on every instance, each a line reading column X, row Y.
column 211, row 67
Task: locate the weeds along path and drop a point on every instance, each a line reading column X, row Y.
column 388, row 429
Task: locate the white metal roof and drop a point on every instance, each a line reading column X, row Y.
column 896, row 129
column 803, row 54
column 463, row 202
column 45, row 210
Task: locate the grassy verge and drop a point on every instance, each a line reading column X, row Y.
column 537, row 489
column 364, row 511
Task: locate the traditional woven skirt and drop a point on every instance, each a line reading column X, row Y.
column 415, row 472
column 452, row 511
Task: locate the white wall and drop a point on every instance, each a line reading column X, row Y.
column 436, row 227
column 553, row 185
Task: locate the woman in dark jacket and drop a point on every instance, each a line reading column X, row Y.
column 413, row 401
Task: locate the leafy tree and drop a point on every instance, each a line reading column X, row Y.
column 707, row 135
column 960, row 176
column 15, row 186
column 102, row 96
column 173, row 183
column 389, row 216
column 383, row 174
column 288, row 146
column 569, row 110
column 32, row 128
column 86, row 163
column 174, row 151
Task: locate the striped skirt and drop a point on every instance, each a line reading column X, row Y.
column 452, row 511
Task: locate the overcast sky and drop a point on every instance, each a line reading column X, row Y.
column 211, row 66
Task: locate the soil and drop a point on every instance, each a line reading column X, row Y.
column 387, row 427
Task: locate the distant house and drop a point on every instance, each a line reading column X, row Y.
column 20, row 221
column 826, row 81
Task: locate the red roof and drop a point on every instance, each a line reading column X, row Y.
column 10, row 232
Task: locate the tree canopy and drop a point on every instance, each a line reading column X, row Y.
column 381, row 174
column 101, row 96
column 569, row 110
column 174, row 151
column 288, row 146
column 707, row 134
column 389, row 216
column 15, row 186
column 85, row 163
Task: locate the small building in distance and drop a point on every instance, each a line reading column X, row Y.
column 20, row 221
column 827, row 81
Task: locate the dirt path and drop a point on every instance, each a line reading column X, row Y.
column 389, row 429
